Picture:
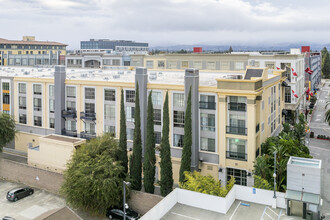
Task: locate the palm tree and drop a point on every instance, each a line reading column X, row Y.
column 327, row 113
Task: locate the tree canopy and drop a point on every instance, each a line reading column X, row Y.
column 93, row 179
column 326, row 65
column 7, row 129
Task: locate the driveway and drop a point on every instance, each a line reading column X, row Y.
column 30, row 207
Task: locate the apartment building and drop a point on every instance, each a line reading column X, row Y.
column 29, row 52
column 233, row 112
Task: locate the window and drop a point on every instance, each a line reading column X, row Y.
column 5, row 86
column 178, row 99
column 262, row 126
column 270, row 65
column 158, row 137
column 207, row 122
column 237, row 120
column 236, row 149
column 22, row 88
column 37, row 121
column 110, row 129
column 71, row 92
column 184, row 64
column 109, row 112
column 172, row 64
column 157, row 117
column 70, row 106
column 208, row 144
column 89, row 108
column 51, row 122
column 37, row 89
column 22, row 118
column 239, row 65
column 198, row 64
column 130, row 112
column 89, row 93
column 109, row 95
column 37, row 104
column 52, row 105
column 178, row 119
column 150, row 64
column 22, row 102
column 239, row 175
column 287, row 96
column 177, row 140
column 210, row 65
column 5, row 98
column 156, row 98
column 130, row 96
column 263, row 105
column 70, row 125
column 130, row 133
column 116, row 62
column 90, row 128
column 51, row 90
column 224, row 65
column 161, row 64
column 207, row 102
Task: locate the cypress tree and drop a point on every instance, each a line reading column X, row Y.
column 166, row 173
column 326, row 66
column 123, row 136
column 149, row 155
column 187, row 141
column 136, row 168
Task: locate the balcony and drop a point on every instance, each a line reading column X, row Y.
column 207, row 105
column 236, row 130
column 69, row 133
column 233, row 106
column 236, row 155
column 87, row 135
column 69, row 113
column 88, row 116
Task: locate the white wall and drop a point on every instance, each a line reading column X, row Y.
column 261, row 196
column 280, row 200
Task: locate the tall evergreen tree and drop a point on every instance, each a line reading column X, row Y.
column 149, row 155
column 166, row 173
column 123, row 136
column 230, row 49
column 326, row 66
column 187, row 141
column 136, row 168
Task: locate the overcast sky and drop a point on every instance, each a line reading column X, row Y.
column 168, row 22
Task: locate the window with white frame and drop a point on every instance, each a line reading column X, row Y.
column 37, row 104
column 89, row 93
column 109, row 112
column 51, row 122
column 71, row 125
column 22, row 102
column 70, row 106
column 109, row 95
column 156, row 98
column 71, row 91
column 157, row 117
column 130, row 96
column 90, row 127
column 130, row 112
column 177, row 140
column 37, row 121
column 130, row 134
column 110, row 129
column 89, row 107
column 37, row 89
column 51, row 90
column 239, row 65
column 207, row 122
column 207, row 144
column 178, row 99
column 22, row 88
column 51, row 105
column 158, row 137
column 178, row 119
column 150, row 64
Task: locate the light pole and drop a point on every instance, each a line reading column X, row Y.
column 124, row 189
column 274, row 175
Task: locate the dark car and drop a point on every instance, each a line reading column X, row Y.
column 7, row 218
column 311, row 105
column 117, row 213
column 19, row 193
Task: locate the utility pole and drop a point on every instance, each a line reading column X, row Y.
column 274, row 175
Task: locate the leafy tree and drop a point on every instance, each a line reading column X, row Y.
column 149, row 156
column 7, row 129
column 326, row 66
column 122, row 156
column 299, row 129
column 93, row 178
column 166, row 173
column 196, row 182
column 187, row 141
column 324, row 51
column 327, row 113
column 261, row 183
column 262, row 167
column 136, row 168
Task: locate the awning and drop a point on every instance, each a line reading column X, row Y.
column 303, row 197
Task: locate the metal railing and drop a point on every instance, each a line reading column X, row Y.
column 207, row 105
column 69, row 133
column 233, row 106
column 69, row 113
column 88, row 116
column 87, row 135
column 236, row 130
column 236, row 155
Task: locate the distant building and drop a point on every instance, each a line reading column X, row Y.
column 29, row 52
column 313, row 61
column 115, row 45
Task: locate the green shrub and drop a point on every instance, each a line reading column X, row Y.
column 310, row 111
column 261, row 183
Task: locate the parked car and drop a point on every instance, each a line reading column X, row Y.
column 8, row 218
column 19, row 193
column 311, row 105
column 117, row 213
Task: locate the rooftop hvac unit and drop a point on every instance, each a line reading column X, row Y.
column 121, row 72
column 116, row 76
column 106, row 78
column 26, row 73
column 153, row 77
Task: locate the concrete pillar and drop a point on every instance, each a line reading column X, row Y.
column 191, row 80
column 60, row 76
column 141, row 77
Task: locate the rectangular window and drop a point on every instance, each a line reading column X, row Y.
column 158, row 137
column 157, row 117
column 178, row 119
column 198, row 64
column 51, row 90
column 51, row 122
column 210, row 65
column 89, row 93
column 161, row 64
column 89, row 108
column 156, row 98
column 90, row 128
column 116, row 62
column 270, row 65
column 52, row 105
column 110, row 129
column 224, row 65
column 130, row 112
column 287, row 96
column 184, row 64
column 5, row 98
column 207, row 102
column 22, row 118
column 178, row 99
column 71, row 125
column 207, row 122
column 37, row 121
column 22, row 102
column 109, row 95
column 239, row 175
column 130, row 134
column 5, row 86
column 109, row 112
column 172, row 64
column 239, row 65
column 71, row 92
column 177, row 140
column 37, row 104
column 150, row 64
column 208, row 144
column 22, row 88
column 37, row 89
column 70, row 106
column 236, row 149
column 130, row 96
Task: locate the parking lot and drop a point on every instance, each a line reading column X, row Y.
column 29, row 207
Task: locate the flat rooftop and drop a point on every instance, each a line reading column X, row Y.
column 304, row 162
column 63, row 138
column 176, row 77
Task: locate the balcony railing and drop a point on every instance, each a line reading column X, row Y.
column 88, row 116
column 236, row 155
column 236, row 130
column 69, row 113
column 207, row 105
column 233, row 106
column 69, row 133
column 87, row 135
